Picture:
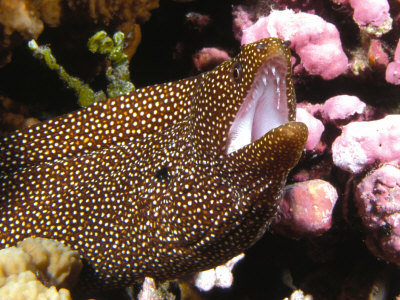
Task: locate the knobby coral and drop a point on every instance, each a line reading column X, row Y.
column 38, row 268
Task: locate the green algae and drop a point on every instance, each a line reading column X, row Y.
column 117, row 73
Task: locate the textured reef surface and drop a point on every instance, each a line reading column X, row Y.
column 336, row 234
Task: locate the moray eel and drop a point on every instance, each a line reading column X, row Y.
column 169, row 180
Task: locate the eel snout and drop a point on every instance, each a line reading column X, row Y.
column 265, row 106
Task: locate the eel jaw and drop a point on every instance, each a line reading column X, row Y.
column 264, row 108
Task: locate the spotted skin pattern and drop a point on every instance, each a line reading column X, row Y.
column 141, row 185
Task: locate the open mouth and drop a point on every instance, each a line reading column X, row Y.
column 264, row 108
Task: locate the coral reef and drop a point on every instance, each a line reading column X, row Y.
column 338, row 111
column 24, row 20
column 26, row 286
column 393, row 69
column 378, row 58
column 38, row 269
column 17, row 19
column 117, row 73
column 377, row 199
column 363, row 144
column 372, row 16
column 342, row 108
column 346, row 59
column 86, row 96
column 315, row 127
column 208, row 58
column 220, row 276
column 150, row 291
column 13, row 116
column 199, row 21
column 351, row 141
column 316, row 41
column 306, row 209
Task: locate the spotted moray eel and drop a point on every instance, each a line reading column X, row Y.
column 169, row 180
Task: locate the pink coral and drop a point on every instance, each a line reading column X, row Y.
column 340, row 108
column 371, row 15
column 364, row 143
column 378, row 58
column 393, row 69
column 313, row 109
column 315, row 127
column 241, row 21
column 316, row 41
column 378, row 200
column 208, row 58
column 306, row 208
column 199, row 21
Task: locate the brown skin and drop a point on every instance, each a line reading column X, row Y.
column 140, row 185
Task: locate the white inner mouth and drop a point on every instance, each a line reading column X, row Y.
column 264, row 108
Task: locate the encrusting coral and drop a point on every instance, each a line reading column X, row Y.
column 306, row 209
column 375, row 198
column 372, row 16
column 316, row 41
column 38, row 268
column 393, row 69
column 363, row 144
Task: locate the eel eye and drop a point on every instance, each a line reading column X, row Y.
column 286, row 43
column 237, row 72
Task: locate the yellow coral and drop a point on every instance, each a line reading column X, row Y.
column 13, row 261
column 26, row 286
column 55, row 263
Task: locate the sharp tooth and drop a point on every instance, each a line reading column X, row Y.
column 265, row 80
column 279, row 99
column 273, row 71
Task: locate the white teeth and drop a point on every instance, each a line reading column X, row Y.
column 278, row 91
column 261, row 110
